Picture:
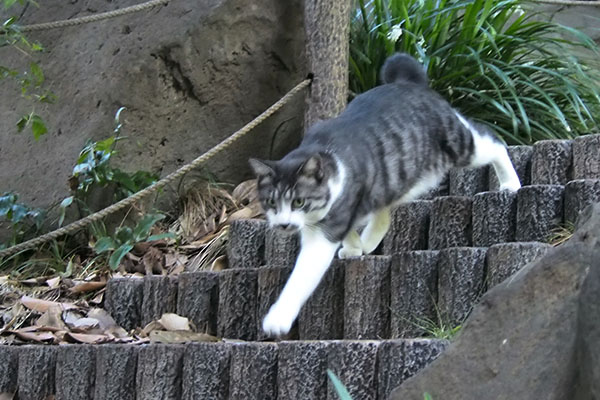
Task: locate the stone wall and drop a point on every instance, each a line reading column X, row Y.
column 190, row 73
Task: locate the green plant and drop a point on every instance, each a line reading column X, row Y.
column 125, row 239
column 30, row 81
column 93, row 170
column 439, row 329
column 493, row 60
column 427, row 396
column 561, row 234
column 21, row 218
column 339, row 386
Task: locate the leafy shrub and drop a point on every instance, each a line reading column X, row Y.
column 93, row 170
column 125, row 238
column 493, row 60
column 30, row 81
column 21, row 218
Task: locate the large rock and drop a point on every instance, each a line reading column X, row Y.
column 535, row 336
column 190, row 73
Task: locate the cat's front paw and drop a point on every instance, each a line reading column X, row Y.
column 347, row 252
column 511, row 186
column 279, row 320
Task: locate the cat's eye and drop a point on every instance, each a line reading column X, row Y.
column 270, row 202
column 297, row 202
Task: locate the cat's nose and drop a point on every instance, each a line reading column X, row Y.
column 287, row 227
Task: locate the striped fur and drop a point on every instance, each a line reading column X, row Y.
column 390, row 145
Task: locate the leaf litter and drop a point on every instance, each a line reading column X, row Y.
column 65, row 307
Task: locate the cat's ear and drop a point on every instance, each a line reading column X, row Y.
column 261, row 167
column 313, row 167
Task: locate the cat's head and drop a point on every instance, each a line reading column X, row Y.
column 295, row 191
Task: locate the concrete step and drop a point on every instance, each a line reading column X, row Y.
column 225, row 370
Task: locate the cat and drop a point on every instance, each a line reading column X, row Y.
column 390, row 145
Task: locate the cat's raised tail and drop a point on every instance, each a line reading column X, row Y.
column 402, row 67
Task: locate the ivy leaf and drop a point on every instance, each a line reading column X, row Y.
column 105, row 145
column 63, row 209
column 7, row 72
column 9, row 3
column 18, row 213
column 123, row 179
column 38, row 217
column 6, row 203
column 38, row 127
column 22, row 122
column 104, row 244
column 143, row 227
column 117, row 256
column 125, row 235
column 160, row 236
column 37, row 73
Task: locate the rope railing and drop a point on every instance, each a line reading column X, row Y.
column 77, row 225
column 153, row 3
column 93, row 18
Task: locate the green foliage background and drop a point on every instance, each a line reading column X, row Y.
column 493, row 60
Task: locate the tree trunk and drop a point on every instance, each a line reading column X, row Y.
column 327, row 25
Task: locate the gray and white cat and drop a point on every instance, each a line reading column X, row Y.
column 391, row 144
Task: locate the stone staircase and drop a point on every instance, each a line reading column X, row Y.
column 364, row 322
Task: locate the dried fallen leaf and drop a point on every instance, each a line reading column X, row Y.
column 43, row 305
column 7, row 396
column 86, row 323
column 174, row 322
column 84, row 287
column 180, row 337
column 153, row 261
column 39, row 337
column 104, row 319
column 152, row 326
column 173, row 260
column 201, row 242
column 219, row 264
column 223, row 215
column 72, row 316
column 54, row 282
column 52, row 318
column 33, row 281
column 245, row 192
column 106, row 323
column 87, row 338
column 244, row 213
column 97, row 300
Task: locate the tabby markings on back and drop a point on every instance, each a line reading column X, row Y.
column 391, row 145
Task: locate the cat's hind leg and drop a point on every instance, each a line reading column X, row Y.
column 488, row 150
column 375, row 230
column 351, row 246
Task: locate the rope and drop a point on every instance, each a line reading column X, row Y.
column 93, row 18
column 75, row 226
column 570, row 3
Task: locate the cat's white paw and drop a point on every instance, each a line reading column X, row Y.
column 279, row 320
column 511, row 186
column 347, row 252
